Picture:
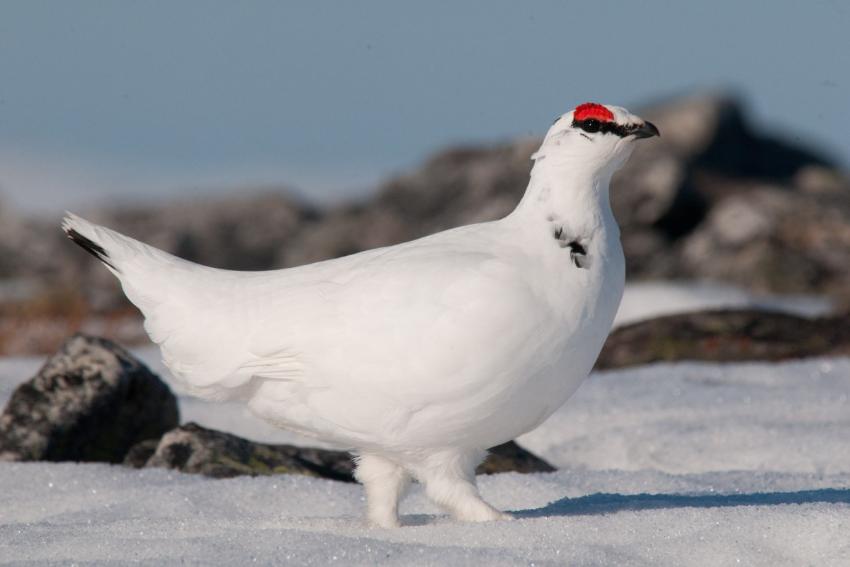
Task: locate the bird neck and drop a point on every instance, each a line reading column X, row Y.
column 568, row 193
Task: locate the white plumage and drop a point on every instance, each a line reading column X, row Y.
column 420, row 356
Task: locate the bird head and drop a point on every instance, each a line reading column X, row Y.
column 594, row 135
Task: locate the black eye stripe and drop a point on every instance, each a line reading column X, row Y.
column 592, row 125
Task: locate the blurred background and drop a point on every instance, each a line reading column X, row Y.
column 257, row 135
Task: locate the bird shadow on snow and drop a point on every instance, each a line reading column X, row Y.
column 605, row 503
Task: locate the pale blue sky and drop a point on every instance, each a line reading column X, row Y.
column 115, row 100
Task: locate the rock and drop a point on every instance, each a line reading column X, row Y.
column 194, row 449
column 510, row 457
column 818, row 180
column 91, row 401
column 770, row 239
column 727, row 336
column 139, row 454
column 191, row 448
column 707, row 151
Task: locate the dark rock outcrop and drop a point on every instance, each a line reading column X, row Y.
column 139, row 454
column 510, row 457
column 725, row 336
column 194, row 449
column 91, row 401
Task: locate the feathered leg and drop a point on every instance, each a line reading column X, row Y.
column 449, row 478
column 384, row 482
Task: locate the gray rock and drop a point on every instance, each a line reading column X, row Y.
column 770, row 239
column 91, row 401
column 139, row 454
column 191, row 448
column 194, row 449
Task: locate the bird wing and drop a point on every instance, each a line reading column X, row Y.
column 401, row 331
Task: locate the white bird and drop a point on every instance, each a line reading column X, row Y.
column 417, row 357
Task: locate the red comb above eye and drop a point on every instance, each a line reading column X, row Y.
column 592, row 110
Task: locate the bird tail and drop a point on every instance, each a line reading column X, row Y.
column 174, row 296
column 119, row 253
column 133, row 263
column 95, row 239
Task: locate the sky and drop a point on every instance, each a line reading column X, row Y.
column 104, row 102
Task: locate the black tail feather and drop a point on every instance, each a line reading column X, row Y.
column 91, row 247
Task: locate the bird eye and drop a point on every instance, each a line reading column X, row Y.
column 591, row 125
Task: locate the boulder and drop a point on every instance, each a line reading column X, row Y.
column 194, row 449
column 91, row 401
column 725, row 336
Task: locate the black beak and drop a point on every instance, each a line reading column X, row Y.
column 646, row 130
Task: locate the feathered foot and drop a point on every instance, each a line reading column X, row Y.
column 384, row 482
column 449, row 479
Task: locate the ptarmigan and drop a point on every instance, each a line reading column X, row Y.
column 420, row 356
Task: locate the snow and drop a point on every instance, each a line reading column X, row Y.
column 667, row 464
column 99, row 514
column 697, row 417
column 645, row 300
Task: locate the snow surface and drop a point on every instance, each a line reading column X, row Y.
column 645, row 300
column 670, row 464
